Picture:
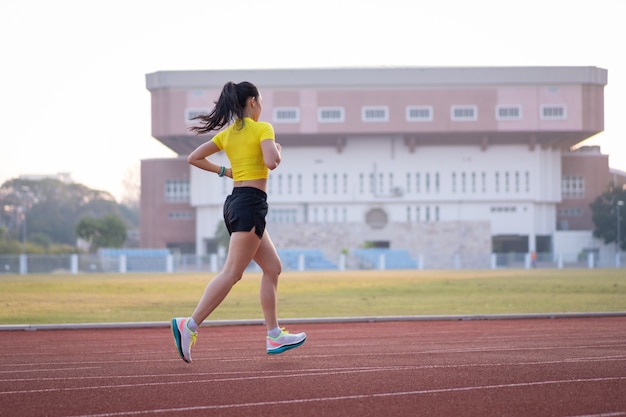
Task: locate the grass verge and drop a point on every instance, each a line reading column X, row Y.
column 101, row 298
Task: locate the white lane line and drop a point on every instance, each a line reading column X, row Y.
column 189, row 375
column 187, row 381
column 9, row 366
column 346, row 397
column 221, row 376
column 46, row 370
column 610, row 414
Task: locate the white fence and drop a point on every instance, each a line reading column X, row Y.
column 292, row 259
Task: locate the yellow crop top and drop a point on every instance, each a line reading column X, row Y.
column 243, row 148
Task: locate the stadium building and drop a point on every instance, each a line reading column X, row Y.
column 445, row 166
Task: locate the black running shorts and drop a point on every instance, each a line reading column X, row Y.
column 246, row 209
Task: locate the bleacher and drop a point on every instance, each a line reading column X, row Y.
column 156, row 260
column 370, row 258
column 314, row 259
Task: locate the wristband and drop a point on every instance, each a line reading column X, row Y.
column 222, row 171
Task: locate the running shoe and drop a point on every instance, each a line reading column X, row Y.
column 283, row 342
column 183, row 337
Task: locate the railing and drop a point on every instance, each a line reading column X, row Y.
column 294, row 260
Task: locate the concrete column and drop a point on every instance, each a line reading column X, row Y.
column 123, row 264
column 74, row 264
column 23, row 264
column 301, row 262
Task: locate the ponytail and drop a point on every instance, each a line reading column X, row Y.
column 230, row 106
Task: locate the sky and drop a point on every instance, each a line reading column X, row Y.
column 73, row 97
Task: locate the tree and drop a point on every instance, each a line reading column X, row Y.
column 50, row 207
column 605, row 216
column 106, row 232
column 87, row 229
column 113, row 233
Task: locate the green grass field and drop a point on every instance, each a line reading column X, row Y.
column 100, row 298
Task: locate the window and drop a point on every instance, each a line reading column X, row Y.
column 280, row 183
column 508, row 112
column 497, row 176
column 464, row 113
column 283, row 215
column 463, row 178
column 473, row 182
column 180, row 215
column 454, row 182
column 572, row 186
column 503, row 209
column 191, row 113
column 553, row 112
column 408, row 182
column 177, row 191
column 286, row 115
column 506, row 181
column 419, row 114
column 375, row 114
column 330, row 114
column 571, row 212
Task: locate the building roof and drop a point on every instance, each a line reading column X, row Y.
column 582, row 88
column 383, row 77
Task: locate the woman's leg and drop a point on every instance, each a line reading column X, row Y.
column 277, row 340
column 241, row 250
column 267, row 258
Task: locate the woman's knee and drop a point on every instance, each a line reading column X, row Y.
column 233, row 275
column 273, row 269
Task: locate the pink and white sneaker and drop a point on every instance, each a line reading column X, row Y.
column 183, row 337
column 283, row 342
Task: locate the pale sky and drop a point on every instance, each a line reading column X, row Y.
column 73, row 96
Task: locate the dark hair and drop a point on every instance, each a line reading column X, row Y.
column 229, row 106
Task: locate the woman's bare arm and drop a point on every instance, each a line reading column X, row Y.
column 271, row 153
column 198, row 159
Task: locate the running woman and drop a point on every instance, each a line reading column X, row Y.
column 252, row 151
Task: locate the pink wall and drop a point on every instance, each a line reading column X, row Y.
column 169, row 109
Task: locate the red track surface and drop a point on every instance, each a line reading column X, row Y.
column 559, row 367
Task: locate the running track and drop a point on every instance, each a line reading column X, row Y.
column 534, row 367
